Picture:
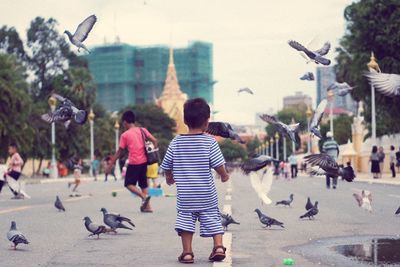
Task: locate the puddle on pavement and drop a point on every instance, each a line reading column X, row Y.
column 380, row 251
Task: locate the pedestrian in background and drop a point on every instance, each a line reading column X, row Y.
column 286, row 170
column 95, row 166
column 152, row 175
column 78, row 166
column 3, row 172
column 14, row 168
column 398, row 160
column 392, row 161
column 331, row 148
column 108, row 166
column 381, row 155
column 293, row 165
column 374, row 159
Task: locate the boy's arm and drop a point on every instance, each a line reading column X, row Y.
column 222, row 172
column 169, row 177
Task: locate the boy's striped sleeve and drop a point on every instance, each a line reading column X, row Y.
column 216, row 157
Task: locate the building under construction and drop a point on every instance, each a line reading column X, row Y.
column 128, row 75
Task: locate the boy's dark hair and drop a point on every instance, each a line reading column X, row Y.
column 196, row 112
column 391, row 147
column 14, row 145
column 128, row 116
column 348, row 163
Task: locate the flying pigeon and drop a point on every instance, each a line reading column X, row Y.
column 82, row 32
column 16, row 236
column 286, row 202
column 257, row 163
column 340, row 89
column 287, row 130
column 308, row 76
column 316, row 119
column 114, row 220
column 96, row 229
column 224, row 130
column 262, row 185
column 268, row 221
column 309, row 205
column 65, row 112
column 245, row 89
column 327, row 165
column 58, row 204
column 317, row 55
column 397, row 211
column 386, row 83
column 311, row 212
column 226, row 220
column 364, row 200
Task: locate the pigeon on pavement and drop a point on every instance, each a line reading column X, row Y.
column 364, row 200
column 245, row 89
column 397, row 211
column 327, row 165
column 257, row 163
column 311, row 212
column 317, row 55
column 287, row 130
column 309, row 205
column 82, row 32
column 58, row 204
column 386, row 83
column 224, row 130
column 340, row 89
column 226, row 220
column 308, row 76
column 316, row 119
column 268, row 221
column 65, row 112
column 286, row 202
column 16, row 236
column 115, row 220
column 96, row 229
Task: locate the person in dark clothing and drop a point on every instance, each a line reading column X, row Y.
column 392, row 161
column 350, row 170
column 398, row 160
column 374, row 159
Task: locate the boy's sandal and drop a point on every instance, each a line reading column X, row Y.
column 145, row 202
column 184, row 259
column 217, row 256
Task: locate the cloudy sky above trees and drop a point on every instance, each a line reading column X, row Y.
column 249, row 37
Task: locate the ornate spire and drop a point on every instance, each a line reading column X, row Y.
column 171, row 56
column 171, row 86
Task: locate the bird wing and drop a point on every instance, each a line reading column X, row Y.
column 297, row 46
column 269, row 118
column 218, row 129
column 388, row 84
column 324, row 49
column 358, row 198
column 253, row 165
column 315, row 170
column 92, row 227
column 397, row 211
column 83, row 29
column 324, row 161
column 247, row 90
column 318, row 113
column 294, row 126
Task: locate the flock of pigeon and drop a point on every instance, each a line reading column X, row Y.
column 112, row 221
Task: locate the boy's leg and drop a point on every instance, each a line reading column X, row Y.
column 210, row 226
column 218, row 243
column 187, row 238
column 185, row 226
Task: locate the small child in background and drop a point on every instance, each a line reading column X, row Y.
column 350, row 170
column 286, row 170
column 152, row 175
column 78, row 166
column 3, row 173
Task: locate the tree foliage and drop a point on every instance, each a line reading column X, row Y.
column 341, row 129
column 232, row 151
column 372, row 25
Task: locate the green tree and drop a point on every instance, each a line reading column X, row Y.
column 372, row 25
column 11, row 43
column 232, row 151
column 342, row 129
column 156, row 121
column 15, row 106
column 252, row 145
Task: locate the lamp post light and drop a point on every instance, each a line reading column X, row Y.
column 91, row 122
column 308, row 114
column 54, row 171
column 284, row 148
column 271, row 146
column 277, row 145
column 116, row 128
column 373, row 67
column 331, row 97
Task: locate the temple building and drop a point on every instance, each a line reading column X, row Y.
column 172, row 98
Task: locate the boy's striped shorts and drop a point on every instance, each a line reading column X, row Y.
column 210, row 222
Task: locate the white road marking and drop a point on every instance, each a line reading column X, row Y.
column 76, row 198
column 228, row 197
column 395, row 196
column 227, row 239
column 15, row 209
column 227, row 209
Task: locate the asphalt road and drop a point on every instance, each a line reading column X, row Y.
column 60, row 239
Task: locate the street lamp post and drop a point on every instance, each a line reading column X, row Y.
column 277, row 145
column 116, row 128
column 293, row 143
column 331, row 96
column 54, row 171
column 271, row 146
column 308, row 114
column 284, row 148
column 91, row 122
column 373, row 67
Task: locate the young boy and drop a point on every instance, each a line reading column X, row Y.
column 188, row 163
column 14, row 168
column 78, row 166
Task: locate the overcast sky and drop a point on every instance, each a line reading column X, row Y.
column 249, row 37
